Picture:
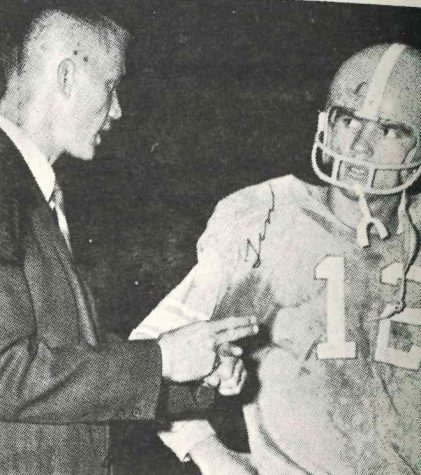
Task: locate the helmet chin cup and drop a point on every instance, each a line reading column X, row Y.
column 337, row 160
column 367, row 220
column 362, row 230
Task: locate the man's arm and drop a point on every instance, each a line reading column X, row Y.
column 43, row 383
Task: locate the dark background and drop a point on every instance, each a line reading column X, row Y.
column 218, row 95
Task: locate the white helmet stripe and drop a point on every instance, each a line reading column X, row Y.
column 379, row 80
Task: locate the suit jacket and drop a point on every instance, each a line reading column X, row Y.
column 61, row 378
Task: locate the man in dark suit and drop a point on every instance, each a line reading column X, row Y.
column 62, row 379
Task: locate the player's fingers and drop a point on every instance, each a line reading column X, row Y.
column 234, row 334
column 228, row 349
column 239, row 370
column 212, row 380
column 227, row 368
column 224, row 391
column 242, row 380
column 231, row 388
column 231, row 323
column 235, row 375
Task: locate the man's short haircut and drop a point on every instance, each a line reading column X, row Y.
column 16, row 39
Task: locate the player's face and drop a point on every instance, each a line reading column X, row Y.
column 95, row 102
column 371, row 142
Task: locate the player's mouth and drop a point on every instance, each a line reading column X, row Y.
column 356, row 173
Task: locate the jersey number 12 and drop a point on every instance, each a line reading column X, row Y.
column 332, row 269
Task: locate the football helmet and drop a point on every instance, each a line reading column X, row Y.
column 377, row 89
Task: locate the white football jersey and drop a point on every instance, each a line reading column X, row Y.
column 339, row 387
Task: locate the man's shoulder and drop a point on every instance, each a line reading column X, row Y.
column 11, row 165
column 16, row 198
column 247, row 204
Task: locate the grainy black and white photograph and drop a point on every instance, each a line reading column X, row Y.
column 210, row 222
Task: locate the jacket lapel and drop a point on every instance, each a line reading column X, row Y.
column 45, row 226
column 29, row 216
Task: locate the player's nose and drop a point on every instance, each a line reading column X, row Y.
column 363, row 141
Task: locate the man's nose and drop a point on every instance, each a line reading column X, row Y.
column 363, row 141
column 115, row 109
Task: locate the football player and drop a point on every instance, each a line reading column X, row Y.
column 334, row 274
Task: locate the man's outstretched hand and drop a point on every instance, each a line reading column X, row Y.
column 190, row 352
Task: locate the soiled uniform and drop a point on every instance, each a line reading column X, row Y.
column 339, row 381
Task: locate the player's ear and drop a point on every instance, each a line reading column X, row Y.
column 66, row 76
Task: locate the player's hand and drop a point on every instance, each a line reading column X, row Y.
column 189, row 353
column 213, row 458
column 230, row 376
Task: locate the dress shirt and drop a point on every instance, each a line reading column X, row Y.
column 57, row 205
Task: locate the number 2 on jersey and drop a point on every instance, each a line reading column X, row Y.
column 332, row 269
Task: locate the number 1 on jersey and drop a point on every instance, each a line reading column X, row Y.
column 332, row 270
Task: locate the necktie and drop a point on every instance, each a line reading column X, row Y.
column 84, row 303
column 57, row 205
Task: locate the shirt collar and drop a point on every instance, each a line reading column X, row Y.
column 37, row 162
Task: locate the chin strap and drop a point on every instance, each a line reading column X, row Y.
column 409, row 241
column 367, row 220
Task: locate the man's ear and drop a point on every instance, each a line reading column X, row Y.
column 66, row 76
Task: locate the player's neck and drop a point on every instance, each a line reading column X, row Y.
column 345, row 206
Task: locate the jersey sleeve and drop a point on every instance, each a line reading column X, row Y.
column 225, row 252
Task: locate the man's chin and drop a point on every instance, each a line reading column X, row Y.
column 85, row 155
